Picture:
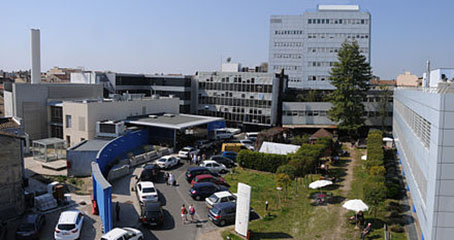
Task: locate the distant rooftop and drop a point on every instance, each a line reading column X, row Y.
column 90, row 145
column 174, row 121
column 338, row 7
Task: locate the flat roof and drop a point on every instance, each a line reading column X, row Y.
column 90, row 145
column 178, row 121
column 338, row 7
column 48, row 141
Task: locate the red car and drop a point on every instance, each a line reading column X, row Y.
column 209, row 178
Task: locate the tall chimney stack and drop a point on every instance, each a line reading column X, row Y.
column 36, row 56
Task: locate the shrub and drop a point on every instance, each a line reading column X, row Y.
column 397, row 229
column 287, row 169
column 261, row 161
column 377, row 171
column 393, row 190
column 301, row 139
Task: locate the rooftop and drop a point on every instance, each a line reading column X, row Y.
column 49, row 141
column 90, row 145
column 338, row 7
column 8, row 122
column 174, row 121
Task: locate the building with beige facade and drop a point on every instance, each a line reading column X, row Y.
column 408, row 80
column 80, row 117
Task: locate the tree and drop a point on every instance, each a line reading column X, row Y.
column 287, row 169
column 374, row 194
column 351, row 76
column 283, row 181
column 300, row 139
column 383, row 109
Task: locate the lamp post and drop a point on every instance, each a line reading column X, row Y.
column 279, row 189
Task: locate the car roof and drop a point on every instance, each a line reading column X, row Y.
column 197, row 168
column 209, row 161
column 223, row 194
column 152, row 206
column 187, row 147
column 229, row 152
column 202, row 184
column 146, row 184
column 167, row 156
column 223, row 205
column 68, row 216
column 150, row 166
column 202, row 176
column 116, row 232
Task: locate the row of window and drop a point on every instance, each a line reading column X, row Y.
column 235, row 79
column 320, row 64
column 235, row 102
column 287, row 68
column 338, row 35
column 258, row 88
column 288, row 44
column 337, row 21
column 317, row 77
column 294, row 79
column 288, row 32
column 287, row 56
column 417, row 123
column 325, row 113
column 235, row 117
column 332, row 50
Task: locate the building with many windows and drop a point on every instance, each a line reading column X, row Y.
column 423, row 129
column 306, row 46
column 242, row 98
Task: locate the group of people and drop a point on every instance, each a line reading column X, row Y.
column 196, row 159
column 359, row 219
column 184, row 213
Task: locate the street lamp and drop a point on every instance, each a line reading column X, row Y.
column 279, row 189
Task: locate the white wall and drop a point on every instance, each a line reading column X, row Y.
column 435, row 75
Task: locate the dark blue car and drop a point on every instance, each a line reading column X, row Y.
column 203, row 190
column 231, row 155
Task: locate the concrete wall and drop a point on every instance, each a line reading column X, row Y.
column 85, row 115
column 11, row 174
column 429, row 167
column 407, row 79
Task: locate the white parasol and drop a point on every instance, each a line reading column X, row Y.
column 355, row 205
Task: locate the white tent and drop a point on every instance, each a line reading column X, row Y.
column 355, row 205
column 278, row 148
column 319, row 184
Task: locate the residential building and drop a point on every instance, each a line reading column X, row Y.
column 12, row 201
column 37, row 105
column 306, row 46
column 80, row 118
column 241, row 98
column 423, row 129
column 408, row 80
column 180, row 86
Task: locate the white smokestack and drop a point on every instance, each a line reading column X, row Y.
column 36, row 56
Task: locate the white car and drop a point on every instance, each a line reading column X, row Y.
column 220, row 197
column 69, row 225
column 248, row 143
column 187, row 151
column 123, row 234
column 214, row 166
column 167, row 161
column 146, row 192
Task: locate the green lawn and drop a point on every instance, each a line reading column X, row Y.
column 295, row 217
column 359, row 178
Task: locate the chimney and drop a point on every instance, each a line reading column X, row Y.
column 427, row 83
column 36, row 56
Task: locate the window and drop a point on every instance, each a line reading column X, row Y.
column 68, row 140
column 68, row 121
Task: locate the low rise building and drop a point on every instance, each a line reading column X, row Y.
column 408, row 80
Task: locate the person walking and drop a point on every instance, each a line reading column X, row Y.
column 199, row 159
column 117, row 211
column 192, row 212
column 184, row 214
column 171, row 179
column 166, row 177
column 194, row 159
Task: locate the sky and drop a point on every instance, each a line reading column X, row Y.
column 185, row 36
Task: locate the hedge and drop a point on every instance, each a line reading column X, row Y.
column 375, row 153
column 261, row 161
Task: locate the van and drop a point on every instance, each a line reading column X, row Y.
column 222, row 133
column 252, row 136
column 233, row 147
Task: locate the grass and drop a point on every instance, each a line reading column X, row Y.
column 383, row 213
column 81, row 186
column 291, row 217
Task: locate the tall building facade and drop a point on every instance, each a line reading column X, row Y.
column 306, row 46
column 423, row 129
column 241, row 98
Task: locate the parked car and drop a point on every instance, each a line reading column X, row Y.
column 214, row 166
column 69, row 225
column 150, row 172
column 252, row 136
column 205, row 189
column 220, row 197
column 30, row 226
column 186, row 152
column 224, row 213
column 221, row 159
column 167, row 162
column 151, row 214
column 229, row 154
column 194, row 171
column 248, row 144
column 123, row 234
column 146, row 192
column 204, row 144
column 209, row 178
column 222, row 133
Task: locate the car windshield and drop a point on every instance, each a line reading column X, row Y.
column 162, row 160
column 149, row 190
column 27, row 227
column 214, row 199
column 186, row 149
column 66, row 227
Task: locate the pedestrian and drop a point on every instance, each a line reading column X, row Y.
column 166, row 177
column 204, row 157
column 117, row 211
column 171, row 179
column 192, row 212
column 366, row 231
column 194, row 159
column 199, row 159
column 184, row 214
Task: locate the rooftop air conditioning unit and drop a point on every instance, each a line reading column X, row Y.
column 153, row 116
column 169, row 115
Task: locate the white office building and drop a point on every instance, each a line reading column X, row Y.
column 423, row 128
column 306, row 46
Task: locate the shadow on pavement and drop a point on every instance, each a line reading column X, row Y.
column 270, row 235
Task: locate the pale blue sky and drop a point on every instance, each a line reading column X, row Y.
column 185, row 36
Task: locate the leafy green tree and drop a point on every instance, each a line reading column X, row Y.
column 374, row 194
column 351, row 76
column 283, row 180
column 287, row 169
column 300, row 139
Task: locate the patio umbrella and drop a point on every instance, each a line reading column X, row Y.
column 364, row 157
column 355, row 205
column 319, row 184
